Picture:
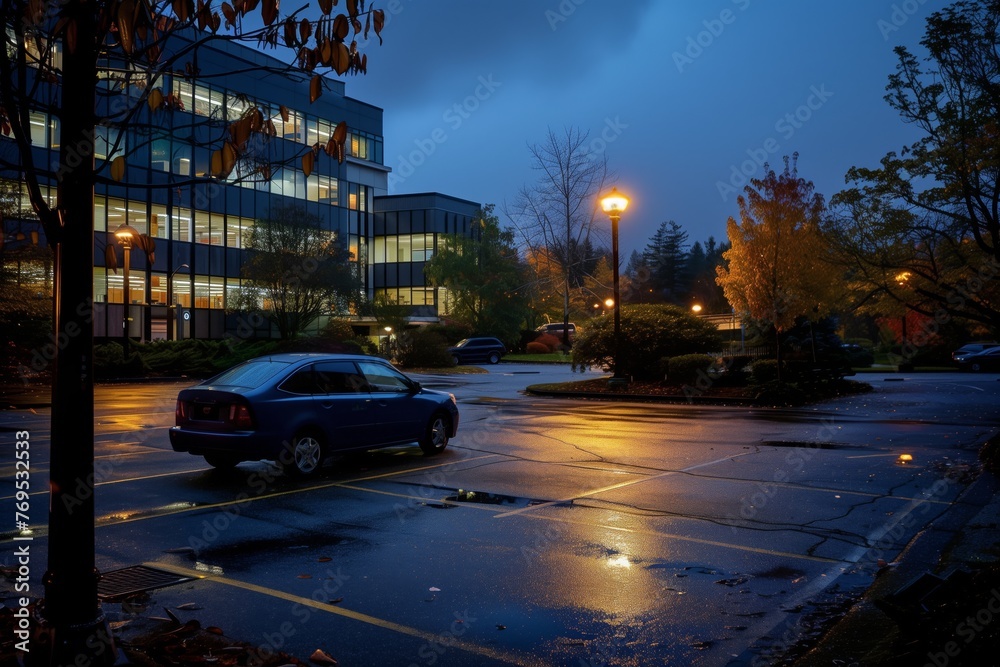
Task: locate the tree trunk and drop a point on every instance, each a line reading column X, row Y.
column 73, row 624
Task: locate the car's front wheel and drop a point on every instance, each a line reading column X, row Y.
column 436, row 434
column 494, row 358
column 303, row 456
column 456, row 359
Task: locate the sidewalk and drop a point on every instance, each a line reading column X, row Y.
column 915, row 613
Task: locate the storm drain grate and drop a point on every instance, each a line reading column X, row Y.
column 118, row 584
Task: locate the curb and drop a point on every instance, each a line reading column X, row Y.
column 864, row 629
column 646, row 398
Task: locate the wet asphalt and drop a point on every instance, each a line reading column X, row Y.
column 551, row 532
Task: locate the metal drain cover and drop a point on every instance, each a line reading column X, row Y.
column 119, row 584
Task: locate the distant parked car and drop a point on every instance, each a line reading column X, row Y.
column 297, row 409
column 971, row 348
column 478, row 350
column 556, row 329
column 985, row 360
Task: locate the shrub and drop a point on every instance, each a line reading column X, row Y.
column 687, row 368
column 779, row 394
column 650, row 332
column 550, row 342
column 764, row 371
column 110, row 362
column 423, row 348
column 535, row 347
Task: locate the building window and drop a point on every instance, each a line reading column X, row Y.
column 158, row 221
column 180, row 224
column 182, row 290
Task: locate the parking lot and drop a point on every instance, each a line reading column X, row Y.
column 550, row 532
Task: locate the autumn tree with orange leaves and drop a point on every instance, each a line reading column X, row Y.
column 778, row 266
column 91, row 63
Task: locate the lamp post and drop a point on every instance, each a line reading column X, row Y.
column 173, row 303
column 614, row 205
column 388, row 342
column 696, row 309
column 126, row 234
column 905, row 364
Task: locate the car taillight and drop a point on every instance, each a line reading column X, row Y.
column 239, row 415
column 180, row 412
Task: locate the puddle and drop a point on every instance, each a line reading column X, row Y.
column 481, row 497
column 807, row 445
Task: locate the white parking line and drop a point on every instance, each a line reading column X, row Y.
column 620, row 485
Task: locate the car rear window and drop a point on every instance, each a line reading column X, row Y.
column 249, row 375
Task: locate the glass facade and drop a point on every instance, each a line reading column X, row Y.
column 200, row 224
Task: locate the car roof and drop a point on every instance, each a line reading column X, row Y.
column 293, row 357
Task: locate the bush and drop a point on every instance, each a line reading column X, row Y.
column 687, row 368
column 764, row 371
column 110, row 362
column 650, row 332
column 535, row 347
column 424, row 348
column 551, row 343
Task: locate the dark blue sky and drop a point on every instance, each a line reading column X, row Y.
column 679, row 94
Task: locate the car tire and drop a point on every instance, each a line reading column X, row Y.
column 435, row 437
column 458, row 362
column 976, row 368
column 221, row 461
column 303, row 456
column 494, row 358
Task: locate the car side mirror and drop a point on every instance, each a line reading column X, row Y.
column 415, row 387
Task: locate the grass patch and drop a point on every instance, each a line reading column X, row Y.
column 550, row 358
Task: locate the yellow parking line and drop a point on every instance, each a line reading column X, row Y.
column 453, row 642
column 696, row 540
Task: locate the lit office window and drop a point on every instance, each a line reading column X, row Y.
column 100, row 284
column 100, row 213
column 180, row 224
column 158, row 221
column 181, row 287
column 116, row 213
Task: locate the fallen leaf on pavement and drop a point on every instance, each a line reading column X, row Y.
column 321, row 657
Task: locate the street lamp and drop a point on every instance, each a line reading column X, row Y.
column 696, row 308
column 902, row 280
column 126, row 235
column 388, row 342
column 614, row 205
column 175, row 304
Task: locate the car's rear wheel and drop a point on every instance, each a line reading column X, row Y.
column 303, row 456
column 436, row 434
column 494, row 358
column 976, row 367
column 221, row 461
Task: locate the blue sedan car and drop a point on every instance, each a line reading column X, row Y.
column 297, row 409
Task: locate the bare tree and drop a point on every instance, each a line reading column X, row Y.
column 557, row 214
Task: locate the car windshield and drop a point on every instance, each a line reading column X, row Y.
column 250, row 375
